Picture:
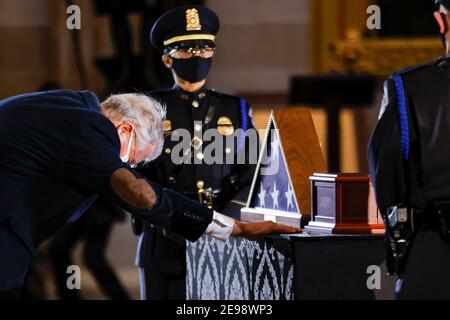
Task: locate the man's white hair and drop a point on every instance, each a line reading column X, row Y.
column 144, row 112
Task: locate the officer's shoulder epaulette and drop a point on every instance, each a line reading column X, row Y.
column 239, row 100
column 413, row 69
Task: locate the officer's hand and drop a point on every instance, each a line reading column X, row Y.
column 257, row 230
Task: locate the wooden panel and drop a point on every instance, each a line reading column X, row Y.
column 302, row 150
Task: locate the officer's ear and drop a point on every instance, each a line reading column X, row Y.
column 167, row 61
column 442, row 22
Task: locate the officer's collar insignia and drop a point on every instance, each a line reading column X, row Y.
column 192, row 20
column 189, row 95
column 167, row 125
column 225, row 126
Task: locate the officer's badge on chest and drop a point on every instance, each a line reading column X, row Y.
column 225, row 126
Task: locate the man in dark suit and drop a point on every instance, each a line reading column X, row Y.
column 409, row 161
column 185, row 37
column 60, row 149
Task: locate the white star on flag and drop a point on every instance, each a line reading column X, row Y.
column 274, row 195
column 262, row 196
column 289, row 196
column 274, row 145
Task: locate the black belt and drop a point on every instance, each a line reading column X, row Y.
column 425, row 219
column 436, row 217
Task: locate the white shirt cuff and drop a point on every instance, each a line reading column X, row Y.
column 220, row 227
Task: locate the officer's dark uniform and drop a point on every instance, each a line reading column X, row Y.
column 409, row 158
column 162, row 255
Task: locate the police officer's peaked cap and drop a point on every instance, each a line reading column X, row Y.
column 185, row 24
column 445, row 3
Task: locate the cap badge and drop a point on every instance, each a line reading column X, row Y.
column 192, row 20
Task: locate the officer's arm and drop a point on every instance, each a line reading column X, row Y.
column 242, row 172
column 251, row 151
column 385, row 158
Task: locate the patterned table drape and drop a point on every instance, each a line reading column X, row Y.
column 239, row 270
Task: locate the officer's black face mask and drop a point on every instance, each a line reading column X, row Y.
column 192, row 70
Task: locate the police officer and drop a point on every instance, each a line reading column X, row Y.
column 186, row 38
column 409, row 158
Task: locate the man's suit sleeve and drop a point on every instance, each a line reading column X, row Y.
column 92, row 158
column 386, row 162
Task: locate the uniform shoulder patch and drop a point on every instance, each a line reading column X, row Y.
column 225, row 95
column 241, row 103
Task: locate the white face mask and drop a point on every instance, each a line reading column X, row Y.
column 126, row 157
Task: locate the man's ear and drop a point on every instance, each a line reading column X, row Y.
column 125, row 127
column 440, row 20
column 167, row 61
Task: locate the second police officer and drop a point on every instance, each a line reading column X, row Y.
column 186, row 38
column 409, row 162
